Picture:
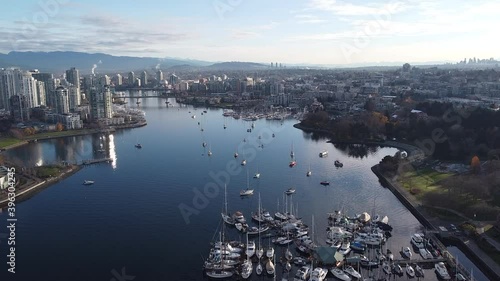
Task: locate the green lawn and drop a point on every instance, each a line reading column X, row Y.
column 56, row 134
column 423, row 181
column 4, row 142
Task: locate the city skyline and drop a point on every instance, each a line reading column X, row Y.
column 310, row 32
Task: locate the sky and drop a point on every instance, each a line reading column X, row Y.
column 324, row 32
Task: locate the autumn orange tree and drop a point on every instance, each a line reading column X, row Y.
column 475, row 164
column 59, row 127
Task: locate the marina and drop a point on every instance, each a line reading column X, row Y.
column 145, row 209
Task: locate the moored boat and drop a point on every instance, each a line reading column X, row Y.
column 441, row 271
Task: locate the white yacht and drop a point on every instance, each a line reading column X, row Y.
column 302, row 273
column 246, row 192
column 250, row 251
column 259, row 269
column 351, row 271
column 442, row 271
column 270, row 252
column 407, row 252
column 219, row 274
column 318, row 274
column 87, row 182
column 417, row 240
column 337, row 272
column 425, row 254
column 323, row 153
column 410, row 271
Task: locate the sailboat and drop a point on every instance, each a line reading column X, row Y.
column 292, row 156
column 257, row 174
column 260, row 251
column 225, row 215
column 248, row 191
column 219, row 271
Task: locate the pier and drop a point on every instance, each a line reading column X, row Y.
column 96, row 161
column 419, row 261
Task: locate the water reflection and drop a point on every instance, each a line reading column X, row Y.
column 357, row 150
column 112, row 151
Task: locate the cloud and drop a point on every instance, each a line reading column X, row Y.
column 242, row 34
column 308, row 19
column 347, row 9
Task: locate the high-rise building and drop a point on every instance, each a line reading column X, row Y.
column 73, row 77
column 19, row 108
column 61, row 100
column 9, row 85
column 74, row 99
column 119, row 79
column 131, row 78
column 174, row 79
column 46, row 78
column 159, row 75
column 100, row 103
column 27, row 87
column 40, row 89
column 144, row 78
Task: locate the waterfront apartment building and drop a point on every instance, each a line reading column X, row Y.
column 73, row 76
column 19, row 109
column 61, row 100
column 144, row 78
column 131, row 78
column 159, row 75
column 118, row 79
column 101, row 103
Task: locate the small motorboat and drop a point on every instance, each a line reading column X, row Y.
column 289, row 191
column 419, row 272
column 325, row 183
column 87, row 182
column 256, row 176
column 246, row 192
column 292, row 164
column 243, row 163
column 323, row 153
column 407, row 253
column 338, row 164
column 138, row 145
column 236, row 155
column 410, row 271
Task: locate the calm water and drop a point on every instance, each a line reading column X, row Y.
column 130, row 217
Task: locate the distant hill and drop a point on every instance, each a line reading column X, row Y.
column 236, row 65
column 59, row 61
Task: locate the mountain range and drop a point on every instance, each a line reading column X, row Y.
column 57, row 62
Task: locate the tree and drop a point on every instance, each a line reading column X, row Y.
column 369, row 105
column 59, row 127
column 475, row 165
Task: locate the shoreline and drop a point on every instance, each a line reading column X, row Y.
column 32, row 190
column 489, row 267
column 468, row 247
column 75, row 134
column 413, row 151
